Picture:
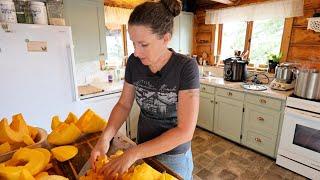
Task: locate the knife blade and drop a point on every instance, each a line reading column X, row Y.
column 85, row 168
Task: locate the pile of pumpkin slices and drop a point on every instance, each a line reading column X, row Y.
column 139, row 172
column 71, row 129
column 17, row 134
column 33, row 164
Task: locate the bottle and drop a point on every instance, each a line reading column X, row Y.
column 102, row 62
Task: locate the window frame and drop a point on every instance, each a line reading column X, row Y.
column 285, row 40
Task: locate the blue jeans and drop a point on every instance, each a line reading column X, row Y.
column 181, row 164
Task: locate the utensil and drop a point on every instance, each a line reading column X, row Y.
column 85, row 168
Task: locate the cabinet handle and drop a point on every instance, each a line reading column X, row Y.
column 263, row 101
column 258, row 140
column 229, row 93
column 203, row 88
column 260, row 118
column 211, row 101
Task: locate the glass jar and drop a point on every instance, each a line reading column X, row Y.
column 23, row 11
column 39, row 12
column 55, row 12
column 7, row 11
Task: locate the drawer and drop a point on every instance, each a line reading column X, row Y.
column 207, row 88
column 230, row 94
column 261, row 119
column 264, row 101
column 261, row 143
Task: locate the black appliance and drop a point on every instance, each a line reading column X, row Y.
column 235, row 69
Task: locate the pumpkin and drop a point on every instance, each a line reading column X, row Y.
column 24, row 159
column 33, row 132
column 145, row 172
column 26, row 175
column 35, row 159
column 18, row 124
column 55, row 122
column 53, row 177
column 27, row 139
column 7, row 134
column 166, row 176
column 5, row 147
column 64, row 153
column 64, row 134
column 41, row 175
column 90, row 122
column 72, row 118
column 46, row 153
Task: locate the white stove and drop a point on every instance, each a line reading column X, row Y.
column 299, row 148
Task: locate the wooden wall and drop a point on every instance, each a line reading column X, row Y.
column 300, row 45
column 304, row 45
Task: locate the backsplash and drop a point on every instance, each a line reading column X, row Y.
column 87, row 72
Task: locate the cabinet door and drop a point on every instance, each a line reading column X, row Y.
column 206, row 109
column 228, row 118
column 86, row 19
column 174, row 43
column 186, row 29
column 133, row 120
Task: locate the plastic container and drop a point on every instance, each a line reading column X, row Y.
column 39, row 12
column 7, row 11
column 23, row 11
column 55, row 12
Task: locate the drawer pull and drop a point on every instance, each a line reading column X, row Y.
column 204, row 88
column 258, row 140
column 260, row 118
column 229, row 93
column 263, row 101
column 211, row 101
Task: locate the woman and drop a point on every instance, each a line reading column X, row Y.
column 166, row 87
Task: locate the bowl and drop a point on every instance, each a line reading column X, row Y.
column 40, row 141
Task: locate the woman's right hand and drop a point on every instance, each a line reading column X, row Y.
column 101, row 148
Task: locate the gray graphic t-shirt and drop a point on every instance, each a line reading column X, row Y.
column 157, row 94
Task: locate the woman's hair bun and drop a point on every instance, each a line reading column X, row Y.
column 174, row 6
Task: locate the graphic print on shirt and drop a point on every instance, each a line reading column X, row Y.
column 158, row 101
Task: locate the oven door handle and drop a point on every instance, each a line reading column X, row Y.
column 303, row 114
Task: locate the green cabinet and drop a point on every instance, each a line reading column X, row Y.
column 228, row 118
column 182, row 34
column 206, row 108
column 262, row 119
column 86, row 18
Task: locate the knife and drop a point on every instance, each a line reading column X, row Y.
column 85, row 168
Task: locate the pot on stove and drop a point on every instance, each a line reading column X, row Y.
column 307, row 84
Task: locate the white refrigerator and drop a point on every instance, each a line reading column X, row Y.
column 37, row 75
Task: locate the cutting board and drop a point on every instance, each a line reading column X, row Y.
column 85, row 144
column 88, row 89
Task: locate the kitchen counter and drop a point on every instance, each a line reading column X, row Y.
column 108, row 88
column 220, row 82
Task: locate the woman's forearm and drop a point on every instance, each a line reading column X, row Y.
column 118, row 116
column 163, row 143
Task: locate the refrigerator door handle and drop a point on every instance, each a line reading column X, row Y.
column 72, row 72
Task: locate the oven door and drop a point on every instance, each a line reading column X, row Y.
column 300, row 137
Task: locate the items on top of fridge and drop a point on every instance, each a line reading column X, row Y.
column 23, row 11
column 7, row 11
column 39, row 12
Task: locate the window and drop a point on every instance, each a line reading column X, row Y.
column 266, row 38
column 233, row 38
column 114, row 38
column 260, row 37
column 129, row 45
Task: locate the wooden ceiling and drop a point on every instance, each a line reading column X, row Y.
column 132, row 3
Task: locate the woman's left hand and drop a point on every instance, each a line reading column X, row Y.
column 119, row 165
